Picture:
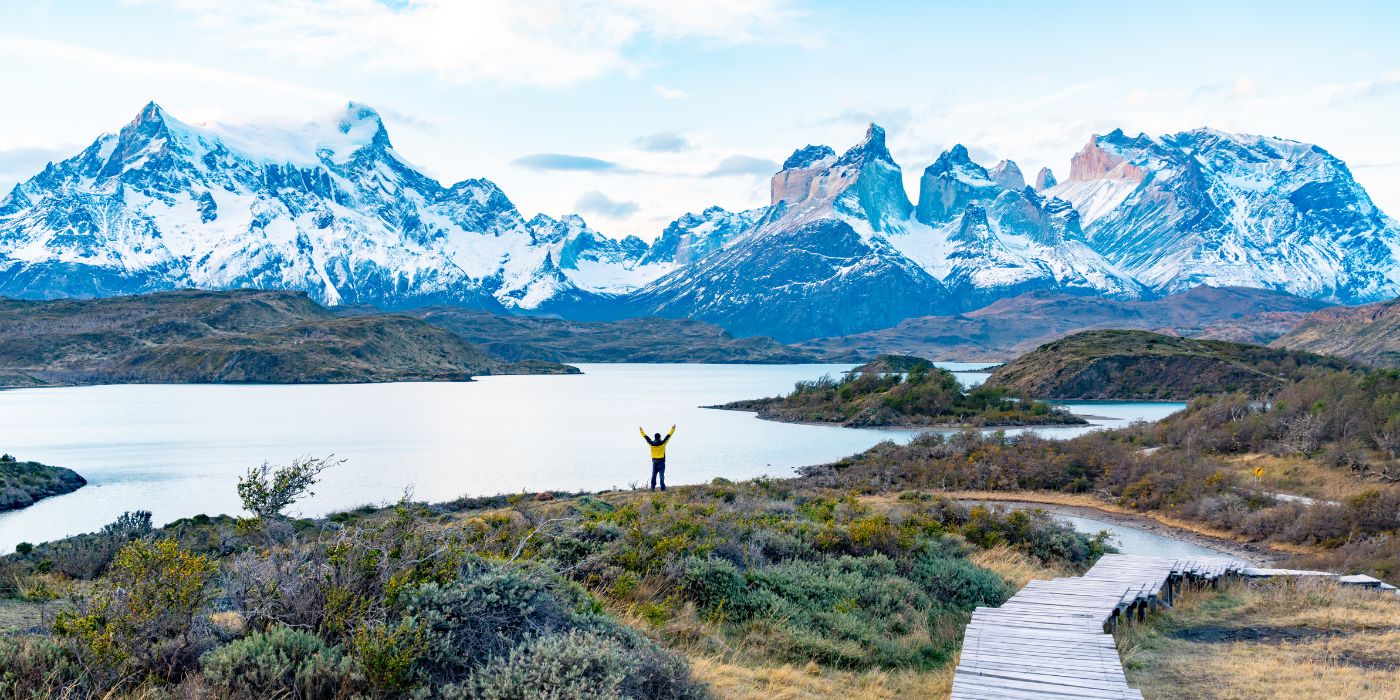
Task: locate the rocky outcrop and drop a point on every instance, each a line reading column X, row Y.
column 951, row 183
column 1093, row 162
column 1008, row 175
column 1045, row 179
column 22, row 484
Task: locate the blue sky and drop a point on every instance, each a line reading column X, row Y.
column 635, row 111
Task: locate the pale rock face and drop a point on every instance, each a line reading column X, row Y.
column 863, row 184
column 793, row 183
column 1044, row 180
column 986, row 241
column 1093, row 162
column 1008, row 175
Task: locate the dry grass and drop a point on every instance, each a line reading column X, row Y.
column 1014, row 566
column 1297, row 475
column 1270, row 640
column 788, row 682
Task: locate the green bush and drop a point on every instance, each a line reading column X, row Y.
column 35, row 668
column 959, row 584
column 140, row 619
column 282, row 662
column 573, row 666
column 481, row 616
column 854, row 612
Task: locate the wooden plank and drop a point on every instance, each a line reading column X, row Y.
column 1046, row 641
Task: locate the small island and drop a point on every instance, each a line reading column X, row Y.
column 23, row 484
column 902, row 392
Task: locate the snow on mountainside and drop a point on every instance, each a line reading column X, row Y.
column 693, row 236
column 1209, row 207
column 327, row 208
column 332, row 209
column 988, row 236
column 816, row 261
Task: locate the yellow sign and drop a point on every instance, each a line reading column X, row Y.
column 1259, row 471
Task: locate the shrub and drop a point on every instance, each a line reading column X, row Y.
column 141, row 616
column 23, row 548
column 88, row 556
column 34, row 668
column 387, row 656
column 282, row 662
column 573, row 666
column 959, row 584
column 716, row 586
column 482, row 616
column 660, row 674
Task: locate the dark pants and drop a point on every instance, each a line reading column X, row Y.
column 658, row 468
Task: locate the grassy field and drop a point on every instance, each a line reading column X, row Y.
column 1272, row 639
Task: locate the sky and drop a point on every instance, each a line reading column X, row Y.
column 633, row 112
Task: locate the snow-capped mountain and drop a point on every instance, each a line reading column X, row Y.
column 332, row 209
column 329, row 208
column 693, row 236
column 816, row 261
column 1208, row 207
column 988, row 236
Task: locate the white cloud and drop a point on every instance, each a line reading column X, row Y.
column 1386, row 85
column 34, row 50
column 595, row 202
column 668, row 93
column 554, row 42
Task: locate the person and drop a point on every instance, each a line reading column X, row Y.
column 658, row 455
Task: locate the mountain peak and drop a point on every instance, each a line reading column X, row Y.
column 152, row 112
column 363, row 118
column 1008, row 175
column 1045, row 179
column 870, row 147
column 950, row 183
column 806, row 156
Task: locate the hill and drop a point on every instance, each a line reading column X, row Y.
column 1369, row 333
column 236, row 336
column 916, row 394
column 23, row 484
column 1011, row 327
column 1138, row 365
column 515, row 338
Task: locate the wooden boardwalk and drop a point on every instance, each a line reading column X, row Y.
column 1053, row 639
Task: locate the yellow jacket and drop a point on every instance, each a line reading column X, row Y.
column 658, row 449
